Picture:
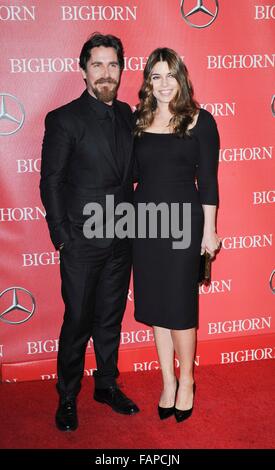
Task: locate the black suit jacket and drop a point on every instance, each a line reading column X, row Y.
column 78, row 166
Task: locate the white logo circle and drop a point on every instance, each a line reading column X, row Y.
column 201, row 12
column 272, row 277
column 12, row 114
column 15, row 308
column 273, row 105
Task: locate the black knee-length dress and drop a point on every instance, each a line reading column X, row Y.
column 173, row 170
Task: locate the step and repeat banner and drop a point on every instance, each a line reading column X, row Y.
column 228, row 47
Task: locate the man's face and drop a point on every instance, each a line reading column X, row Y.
column 102, row 74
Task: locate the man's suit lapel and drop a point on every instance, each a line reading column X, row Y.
column 126, row 138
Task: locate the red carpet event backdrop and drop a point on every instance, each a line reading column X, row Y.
column 228, row 47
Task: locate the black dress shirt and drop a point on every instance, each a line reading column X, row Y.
column 108, row 120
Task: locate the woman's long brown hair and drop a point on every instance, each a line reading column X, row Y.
column 183, row 106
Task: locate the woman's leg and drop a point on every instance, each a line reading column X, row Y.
column 185, row 346
column 165, row 349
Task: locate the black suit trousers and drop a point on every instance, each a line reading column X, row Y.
column 95, row 283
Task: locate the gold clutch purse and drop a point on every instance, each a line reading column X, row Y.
column 205, row 268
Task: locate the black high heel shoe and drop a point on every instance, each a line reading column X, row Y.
column 182, row 415
column 165, row 413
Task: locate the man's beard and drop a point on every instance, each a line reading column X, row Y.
column 105, row 94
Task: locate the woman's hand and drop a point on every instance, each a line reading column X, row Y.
column 210, row 243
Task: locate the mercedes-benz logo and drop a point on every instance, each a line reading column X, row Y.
column 12, row 314
column 201, row 9
column 272, row 281
column 273, row 105
column 12, row 114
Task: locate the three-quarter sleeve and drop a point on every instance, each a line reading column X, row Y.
column 208, row 158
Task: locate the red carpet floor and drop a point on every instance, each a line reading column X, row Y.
column 234, row 409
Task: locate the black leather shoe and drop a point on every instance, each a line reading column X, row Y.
column 114, row 397
column 66, row 415
column 165, row 413
column 182, row 415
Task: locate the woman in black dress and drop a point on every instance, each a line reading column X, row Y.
column 176, row 151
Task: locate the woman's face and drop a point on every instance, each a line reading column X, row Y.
column 165, row 86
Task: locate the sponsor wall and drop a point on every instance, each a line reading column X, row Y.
column 228, row 48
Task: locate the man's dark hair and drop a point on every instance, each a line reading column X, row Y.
column 97, row 40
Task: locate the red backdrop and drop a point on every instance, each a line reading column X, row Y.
column 231, row 63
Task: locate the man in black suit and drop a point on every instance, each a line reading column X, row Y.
column 87, row 155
